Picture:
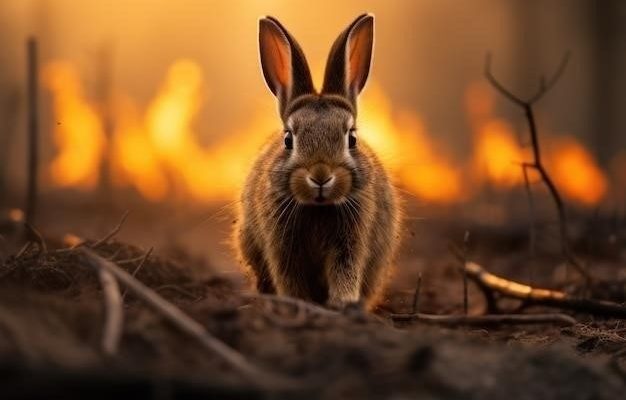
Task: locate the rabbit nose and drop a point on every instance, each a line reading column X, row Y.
column 320, row 176
column 320, row 183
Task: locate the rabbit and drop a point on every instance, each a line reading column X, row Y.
column 319, row 219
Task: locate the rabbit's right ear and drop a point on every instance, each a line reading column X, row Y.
column 349, row 60
column 285, row 68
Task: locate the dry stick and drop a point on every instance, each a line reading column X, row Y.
column 297, row 303
column 537, row 163
column 490, row 284
column 183, row 322
column 98, row 242
column 416, row 295
column 37, row 237
column 141, row 264
column 465, row 293
column 113, row 309
column 113, row 232
column 125, row 261
column 33, row 129
column 531, row 215
column 486, row 320
column 24, row 249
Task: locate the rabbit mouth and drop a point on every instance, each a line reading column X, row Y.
column 321, row 200
column 319, row 189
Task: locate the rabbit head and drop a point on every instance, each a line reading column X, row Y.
column 321, row 161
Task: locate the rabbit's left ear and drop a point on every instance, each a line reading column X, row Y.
column 284, row 65
column 349, row 60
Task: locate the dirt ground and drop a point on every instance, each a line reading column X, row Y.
column 51, row 315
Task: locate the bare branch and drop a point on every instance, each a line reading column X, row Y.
column 546, row 86
column 184, row 323
column 531, row 215
column 495, row 83
column 536, row 150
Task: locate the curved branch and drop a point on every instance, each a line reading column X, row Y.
column 545, row 87
column 537, row 163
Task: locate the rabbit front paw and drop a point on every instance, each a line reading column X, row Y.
column 344, row 305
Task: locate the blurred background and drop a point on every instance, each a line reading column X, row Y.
column 150, row 103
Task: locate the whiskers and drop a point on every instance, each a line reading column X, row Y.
column 352, row 208
column 221, row 212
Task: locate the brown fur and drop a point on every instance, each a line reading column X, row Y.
column 332, row 243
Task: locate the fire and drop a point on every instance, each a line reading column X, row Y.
column 136, row 161
column 497, row 151
column 406, row 150
column 156, row 150
column 78, row 133
column 575, row 171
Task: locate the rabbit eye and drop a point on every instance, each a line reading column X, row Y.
column 288, row 139
column 352, row 138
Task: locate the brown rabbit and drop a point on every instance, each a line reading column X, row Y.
column 319, row 217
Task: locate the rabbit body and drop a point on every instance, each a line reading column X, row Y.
column 319, row 219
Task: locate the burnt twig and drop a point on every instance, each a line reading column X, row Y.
column 34, row 235
column 33, row 129
column 537, row 163
column 486, row 320
column 416, row 295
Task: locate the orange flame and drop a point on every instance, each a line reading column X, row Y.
column 575, row 171
column 406, row 150
column 136, row 161
column 78, row 133
column 497, row 151
column 156, row 151
column 160, row 154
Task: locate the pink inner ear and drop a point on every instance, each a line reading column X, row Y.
column 359, row 55
column 276, row 55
